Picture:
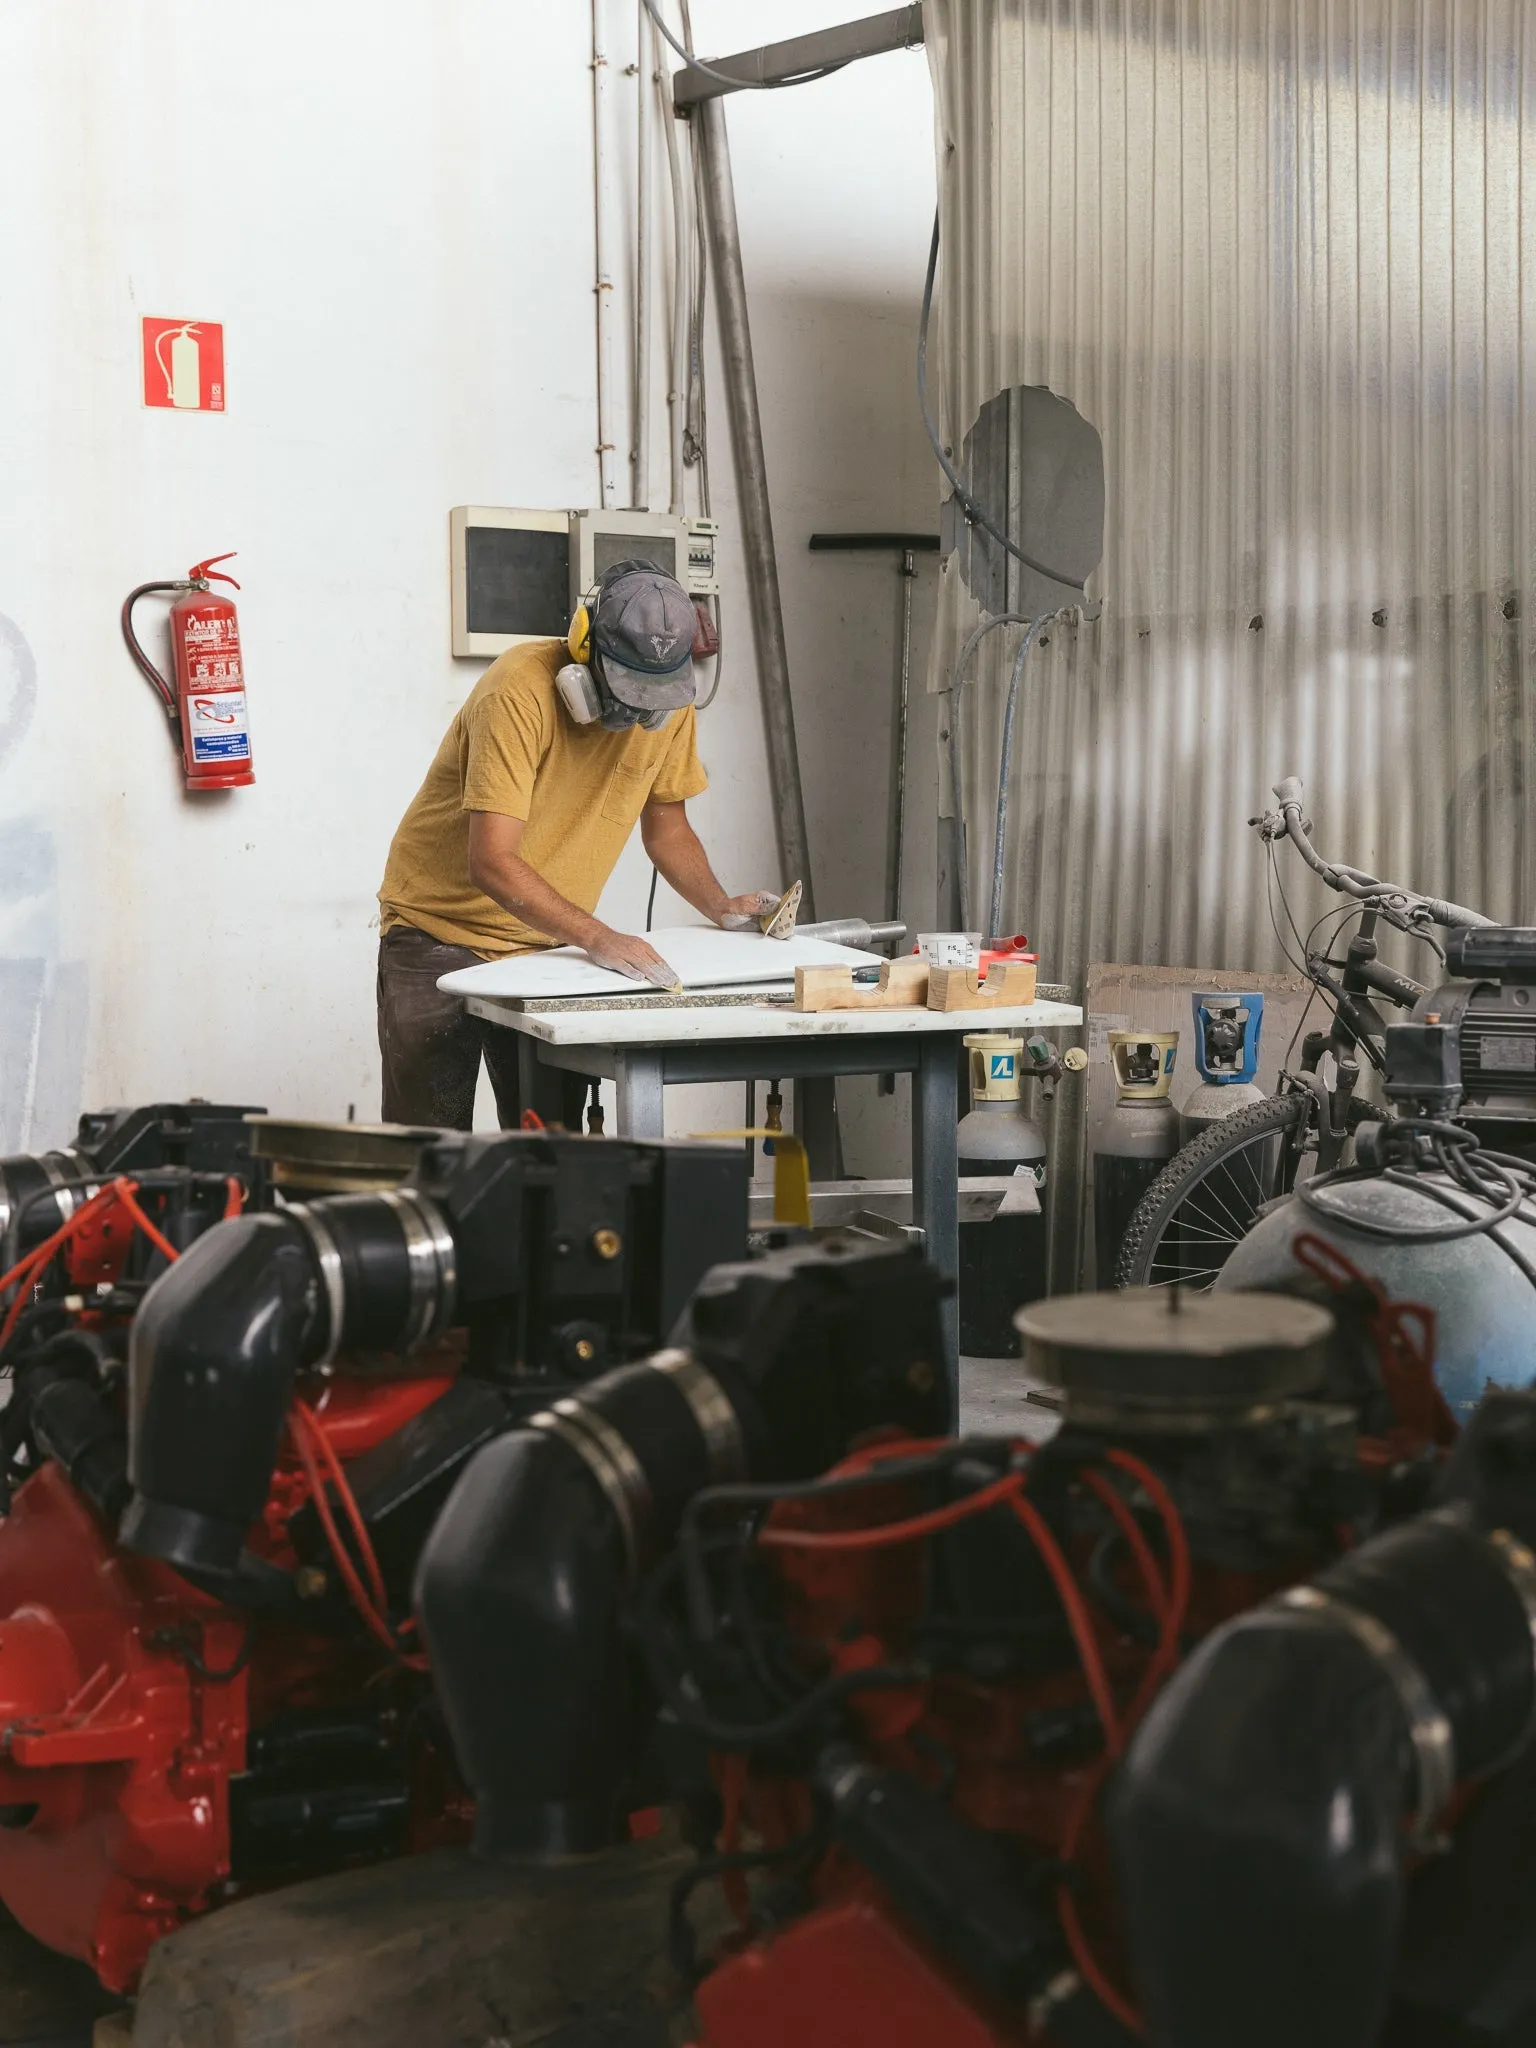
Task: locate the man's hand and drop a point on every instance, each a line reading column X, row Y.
column 741, row 913
column 627, row 953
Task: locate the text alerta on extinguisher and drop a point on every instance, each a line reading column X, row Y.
column 206, row 706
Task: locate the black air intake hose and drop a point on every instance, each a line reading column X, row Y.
column 1262, row 1813
column 218, row 1340
column 525, row 1578
column 522, row 1586
column 35, row 1199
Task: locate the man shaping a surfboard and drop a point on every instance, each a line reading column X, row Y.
column 510, row 840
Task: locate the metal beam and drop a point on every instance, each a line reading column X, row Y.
column 718, row 199
column 782, row 63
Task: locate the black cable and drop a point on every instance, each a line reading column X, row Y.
column 704, row 703
column 681, row 1947
column 973, row 510
column 744, row 1495
column 1450, row 1145
column 180, row 1640
column 650, row 901
column 1290, row 916
column 1271, row 877
column 1350, row 909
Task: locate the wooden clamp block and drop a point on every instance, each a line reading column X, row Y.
column 903, row 985
column 1009, row 985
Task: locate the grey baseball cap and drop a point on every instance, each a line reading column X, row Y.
column 642, row 629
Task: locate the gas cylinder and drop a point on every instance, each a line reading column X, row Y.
column 1227, row 1027
column 1136, row 1140
column 1002, row 1261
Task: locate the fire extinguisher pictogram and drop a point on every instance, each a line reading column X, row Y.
column 206, row 706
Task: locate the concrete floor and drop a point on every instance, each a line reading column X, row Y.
column 994, row 1401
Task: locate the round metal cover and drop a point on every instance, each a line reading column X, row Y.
column 338, row 1158
column 1167, row 1359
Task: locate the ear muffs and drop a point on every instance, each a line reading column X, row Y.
column 579, row 638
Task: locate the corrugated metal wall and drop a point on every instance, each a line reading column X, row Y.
column 1282, row 253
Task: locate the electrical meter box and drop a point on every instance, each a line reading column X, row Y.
column 519, row 575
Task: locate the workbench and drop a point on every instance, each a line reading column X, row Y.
column 748, row 1035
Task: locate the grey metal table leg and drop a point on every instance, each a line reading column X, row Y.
column 816, row 1125
column 936, row 1184
column 639, row 1093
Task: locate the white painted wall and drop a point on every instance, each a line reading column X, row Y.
column 390, row 207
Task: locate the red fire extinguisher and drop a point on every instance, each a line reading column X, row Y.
column 207, row 705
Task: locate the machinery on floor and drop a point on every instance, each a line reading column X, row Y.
column 988, row 1744
column 231, row 1427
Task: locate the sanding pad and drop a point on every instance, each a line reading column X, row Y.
column 779, row 923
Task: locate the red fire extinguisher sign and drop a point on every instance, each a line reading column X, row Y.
column 184, row 364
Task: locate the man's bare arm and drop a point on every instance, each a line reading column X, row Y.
column 679, row 855
column 496, row 867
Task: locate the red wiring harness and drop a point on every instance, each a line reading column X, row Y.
column 315, row 1450
column 1168, row 1600
column 318, row 1455
column 117, row 1194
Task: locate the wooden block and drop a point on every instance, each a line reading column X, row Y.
column 434, row 1951
column 903, row 985
column 1009, row 985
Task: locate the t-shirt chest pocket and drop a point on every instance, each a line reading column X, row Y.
column 627, row 791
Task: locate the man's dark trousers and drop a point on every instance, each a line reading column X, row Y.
column 431, row 1047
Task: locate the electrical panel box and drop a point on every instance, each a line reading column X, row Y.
column 703, row 577
column 519, row 575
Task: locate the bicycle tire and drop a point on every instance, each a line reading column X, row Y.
column 1196, row 1163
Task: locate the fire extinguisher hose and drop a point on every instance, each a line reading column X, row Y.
column 142, row 662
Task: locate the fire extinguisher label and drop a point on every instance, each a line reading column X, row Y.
column 218, row 726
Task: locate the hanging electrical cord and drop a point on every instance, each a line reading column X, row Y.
column 729, row 77
column 1004, row 771
column 957, row 682
column 974, row 511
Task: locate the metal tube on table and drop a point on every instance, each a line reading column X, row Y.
column 853, row 931
column 719, row 200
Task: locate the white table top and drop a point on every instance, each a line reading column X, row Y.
column 700, row 955
column 698, row 1024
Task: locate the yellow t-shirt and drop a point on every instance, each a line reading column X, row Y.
column 515, row 750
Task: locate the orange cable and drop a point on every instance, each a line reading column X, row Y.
column 1141, row 1550
column 311, row 1434
column 320, row 1440
column 881, row 1534
column 1078, row 1618
column 125, row 1192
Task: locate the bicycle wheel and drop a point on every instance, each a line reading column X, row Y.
column 1208, row 1197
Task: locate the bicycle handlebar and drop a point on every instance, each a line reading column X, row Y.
column 1348, row 881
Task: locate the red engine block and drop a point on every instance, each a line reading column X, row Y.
column 116, row 1753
